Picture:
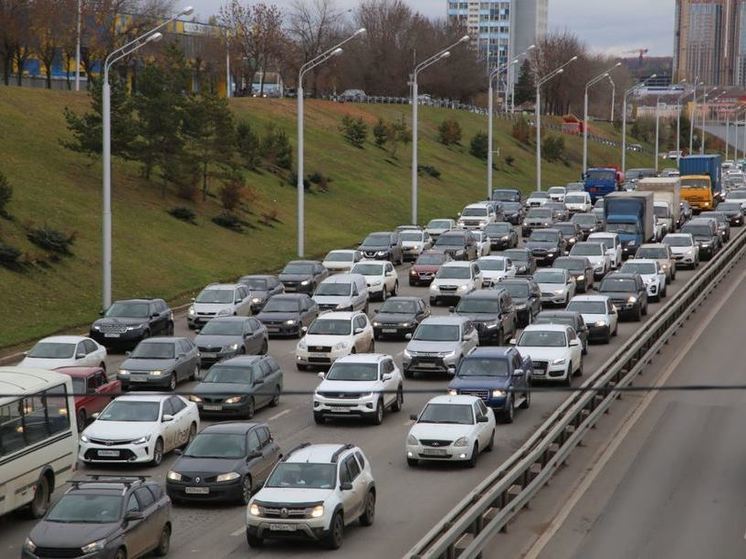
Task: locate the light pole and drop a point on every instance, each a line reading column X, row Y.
column 593, row 81
column 693, row 114
column 111, row 59
column 704, row 116
column 657, row 130
column 438, row 56
column 678, row 124
column 537, row 110
column 77, row 48
column 336, row 50
column 727, row 134
column 613, row 98
column 624, row 117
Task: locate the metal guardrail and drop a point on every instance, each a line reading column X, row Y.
column 469, row 527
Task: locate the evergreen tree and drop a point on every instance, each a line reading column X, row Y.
column 525, row 89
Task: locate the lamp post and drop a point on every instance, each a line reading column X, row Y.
column 438, row 56
column 537, row 110
column 657, row 126
column 77, row 48
column 704, row 116
column 613, row 98
column 624, row 118
column 693, row 114
column 336, row 50
column 593, row 81
column 727, row 134
column 678, row 124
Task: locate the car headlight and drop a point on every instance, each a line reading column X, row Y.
column 448, row 355
column 581, row 277
column 462, row 287
column 254, row 510
column 230, row 476
column 490, row 325
column 461, row 441
column 376, row 282
column 434, row 287
column 499, row 393
column 191, row 311
column 665, row 266
column 411, row 439
column 632, row 299
column 559, row 291
column 381, row 253
column 29, row 545
column 84, row 439
column 256, row 300
column 317, row 511
column 173, row 476
column 305, row 282
column 93, row 546
column 232, row 347
column 233, row 400
column 195, row 399
column 224, row 312
column 405, row 324
column 412, row 272
column 290, row 322
column 452, row 392
column 136, row 327
column 340, row 345
column 156, row 373
column 124, row 372
column 406, row 354
column 558, row 361
column 600, row 323
column 142, row 440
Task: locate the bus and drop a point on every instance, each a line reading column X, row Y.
column 38, row 437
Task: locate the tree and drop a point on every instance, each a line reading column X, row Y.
column 553, row 148
column 400, row 134
column 521, row 131
column 449, row 132
column 248, row 145
column 525, row 89
column 381, row 133
column 275, row 148
column 479, row 146
column 50, row 20
column 6, row 193
column 354, row 130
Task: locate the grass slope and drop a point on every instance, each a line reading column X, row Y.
column 159, row 255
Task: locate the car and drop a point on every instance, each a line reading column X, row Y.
column 559, row 211
column 588, row 222
column 160, row 362
column 302, row 276
column 555, row 350
column 414, row 243
column 313, row 492
column 383, row 245
column 568, row 318
column 506, row 195
column 399, row 316
column 361, row 386
column 93, row 391
column 546, row 245
column 599, row 314
column 426, row 266
column 526, row 296
column 495, row 268
column 334, row 335
column 438, row 344
column 104, row 516
column 733, row 211
column 683, row 248
column 738, row 196
column 652, row 274
column 613, row 246
column 492, row 312
column 578, row 202
column 454, row 280
column 451, row 428
column 575, row 187
column 381, row 278
column 598, row 210
column 557, row 286
column 228, row 336
column 628, row 293
column 597, row 254
column 288, row 314
column 663, row 254
column 523, row 260
column 484, row 245
column 225, row 462
column 353, row 95
column 634, row 175
column 537, row 218
column 436, row 227
column 706, row 236
column 580, row 268
column 341, row 260
column 512, row 212
column 557, row 193
column 142, row 428
column 65, row 351
column 128, row 321
column 723, row 224
column 239, row 386
column 219, row 299
column 536, row 199
column 342, row 292
column 476, row 216
column 401, row 228
column 459, row 244
column 570, row 232
column 261, row 287
column 501, row 235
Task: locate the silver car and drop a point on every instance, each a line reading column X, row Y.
column 557, row 285
column 226, row 337
column 159, row 363
column 438, row 345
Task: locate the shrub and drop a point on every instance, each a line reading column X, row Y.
column 553, row 148
column 321, row 180
column 354, row 131
column 479, row 146
column 229, row 221
column 231, row 193
column 275, row 148
column 248, row 145
column 293, row 181
column 509, row 160
column 51, row 240
column 449, row 132
column 6, row 193
column 269, row 217
column 9, row 257
column 521, row 131
column 184, row 214
column 381, row 133
column 429, row 170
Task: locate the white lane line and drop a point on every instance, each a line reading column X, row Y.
column 280, row 414
column 238, row 532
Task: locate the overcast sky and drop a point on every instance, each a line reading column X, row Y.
column 608, row 26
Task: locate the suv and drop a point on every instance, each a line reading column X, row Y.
column 723, row 223
column 459, row 244
column 219, row 299
column 454, row 280
column 438, row 345
column 501, row 235
column 628, row 293
column 683, row 248
column 506, row 195
column 537, row 218
column 613, row 246
column 492, row 312
column 589, row 223
column 302, row 276
column 663, row 254
column 526, row 295
column 705, row 234
column 524, row 261
column 381, row 278
column 383, row 245
column 476, row 216
column 313, row 493
column 546, row 245
column 128, row 321
column 342, row 292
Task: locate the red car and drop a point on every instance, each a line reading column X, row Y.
column 427, row 265
column 93, row 391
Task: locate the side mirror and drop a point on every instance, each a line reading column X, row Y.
column 304, row 329
column 101, row 313
column 358, row 331
column 482, row 419
column 25, row 353
column 154, row 315
column 193, row 299
column 574, row 343
column 180, row 355
column 197, row 330
column 408, row 336
column 387, row 377
column 128, row 353
column 321, row 375
column 253, row 455
column 375, row 311
column 518, row 373
column 451, row 309
column 345, row 486
column 167, row 417
column 513, row 341
column 94, row 415
column 134, row 515
column 413, row 417
column 80, row 356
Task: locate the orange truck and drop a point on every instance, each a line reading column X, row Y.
column 700, row 181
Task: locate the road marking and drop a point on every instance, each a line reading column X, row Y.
column 622, row 432
column 238, row 532
column 277, row 415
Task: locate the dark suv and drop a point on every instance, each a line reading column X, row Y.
column 492, row 312
column 125, row 323
column 705, row 235
column 628, row 293
column 526, row 296
column 546, row 245
column 383, row 246
column 459, row 244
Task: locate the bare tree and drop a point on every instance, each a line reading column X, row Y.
column 51, row 21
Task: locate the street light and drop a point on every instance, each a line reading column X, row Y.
column 704, row 115
column 602, row 76
column 438, row 56
column 693, row 114
column 624, row 118
column 613, row 98
column 657, row 125
column 122, row 52
column 77, row 48
column 336, row 50
column 537, row 110
column 678, row 123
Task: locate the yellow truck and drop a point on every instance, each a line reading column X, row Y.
column 700, row 180
column 697, row 190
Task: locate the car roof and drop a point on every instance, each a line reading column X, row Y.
column 343, row 250
column 316, row 453
column 144, row 397
column 641, row 261
column 449, row 319
column 457, row 264
column 340, row 315
column 478, row 205
column 303, row 262
column 456, row 399
column 362, row 358
column 227, row 319
column 550, row 327
column 486, row 351
column 405, row 298
column 517, row 280
column 288, row 296
column 381, row 233
column 138, row 300
column 622, row 275
column 64, row 339
column 162, row 339
column 557, row 313
column 258, row 276
column 492, row 257
column 78, row 372
column 241, row 361
column 589, row 298
column 653, row 245
column 221, row 286
column 239, row 427
column 484, row 294
column 344, row 278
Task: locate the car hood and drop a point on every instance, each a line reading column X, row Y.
column 372, row 248
column 119, row 321
column 436, row 230
column 329, row 265
column 441, row 431
column 543, row 353
column 551, row 287
column 425, row 268
column 40, row 363
column 258, row 294
column 120, row 430
column 702, row 238
column 274, row 316
column 479, row 382
column 67, row 535
column 226, row 388
column 346, row 386
column 415, row 244
column 320, row 339
column 207, row 466
column 422, row 346
column 618, row 294
column 393, row 317
column 596, row 259
column 147, row 364
column 548, row 245
column 210, row 340
column 294, row 277
column 591, row 318
column 480, row 317
column 443, row 249
column 211, row 307
column 440, row 281
column 271, row 495
column 682, row 250
column 495, row 273
column 331, row 299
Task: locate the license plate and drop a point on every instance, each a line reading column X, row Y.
column 272, row 329
column 428, row 365
column 208, row 407
column 339, row 410
column 112, row 335
column 197, row 490
column 283, row 527
column 207, row 354
column 317, row 355
column 138, row 379
column 435, row 451
column 389, row 330
column 108, row 453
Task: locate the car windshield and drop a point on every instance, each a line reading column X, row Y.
column 459, row 414
column 399, row 306
column 575, row 187
column 517, row 255
column 450, row 241
column 257, row 284
column 353, row 371
column 729, row 207
column 470, row 212
column 504, row 195
column 483, row 367
column 538, row 195
column 629, row 228
column 303, row 475
column 492, row 264
column 128, row 310
column 411, row 236
column 584, row 219
column 220, row 374
column 575, row 199
column 574, row 264
column 298, row 269
column 549, row 275
column 454, row 272
column 542, row 338
column 154, row 350
column 587, row 249
column 543, row 236
column 215, row 296
column 52, row 350
column 130, row 410
column 497, row 229
column 477, row 305
column 85, row 508
column 281, row 305
column 652, row 252
column 539, row 213
column 334, row 289
column 717, row 216
column 736, row 195
column 619, row 284
column 377, row 240
column 330, row 327
column 601, row 175
column 661, row 211
column 217, row 445
column 368, row 269
column 508, row 207
column 687, row 182
column 339, row 257
column 430, row 260
column 80, row 385
column 439, row 224
column 223, row 328
column 516, row 290
column 678, row 241
column 701, row 230
column 565, row 320
column 587, row 307
column 567, row 229
column 437, row 333
column 556, row 190
column 642, row 268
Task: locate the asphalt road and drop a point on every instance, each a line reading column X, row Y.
column 410, row 501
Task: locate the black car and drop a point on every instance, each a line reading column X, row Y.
column 588, row 223
column 506, row 195
column 628, row 293
column 513, row 212
column 492, row 312
column 288, row 314
column 723, row 224
column 559, row 211
column 457, row 243
column 302, row 276
column 580, row 268
column 262, row 287
column 383, row 245
column 524, row 261
column 127, row 322
column 224, row 462
column 107, row 517
column 706, row 236
column 502, row 235
column 570, row 232
column 732, row 211
column 567, row 318
column 399, row 316
column 546, row 245
column 526, row 296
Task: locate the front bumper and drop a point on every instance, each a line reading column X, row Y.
column 298, row 287
column 421, row 278
column 319, row 359
column 499, row 244
column 116, row 339
column 598, row 332
column 429, row 364
column 283, row 329
column 545, row 257
column 548, row 371
column 451, row 296
column 706, row 252
column 684, row 260
column 553, row 298
column 221, row 409
column 286, row 528
column 393, row 330
column 208, row 358
column 144, row 380
column 204, row 492
column 92, row 453
column 629, row 250
column 364, row 406
column 448, row 453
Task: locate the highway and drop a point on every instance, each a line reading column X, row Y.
column 410, row 501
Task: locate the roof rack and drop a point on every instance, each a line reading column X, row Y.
column 103, row 478
column 340, row 450
column 295, row 448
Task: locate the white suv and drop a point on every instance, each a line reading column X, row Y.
column 360, row 386
column 613, row 246
column 313, row 493
column 476, row 216
column 334, row 335
column 652, row 274
column 555, row 351
column 219, row 299
column 454, row 280
column 381, row 277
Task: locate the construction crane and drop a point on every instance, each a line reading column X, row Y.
column 640, row 52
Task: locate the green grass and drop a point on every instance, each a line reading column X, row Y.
column 158, row 255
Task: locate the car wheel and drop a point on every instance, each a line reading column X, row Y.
column 412, row 462
column 383, row 293
column 195, row 373
column 399, row 402
column 567, row 381
column 395, row 292
column 579, row 372
column 509, row 414
column 377, row 418
column 664, row 292
column 411, row 283
column 369, row 510
column 254, row 541
column 491, row 444
column 157, row 453
column 170, row 329
column 526, row 401
column 164, row 542
column 121, row 554
column 82, row 419
column 246, row 490
column 333, row 538
column 250, row 409
column 319, row 419
column 146, row 334
column 474, row 456
column 191, row 435
column 644, row 310
column 275, row 398
column 265, row 348
column 40, row 503
column 172, row 382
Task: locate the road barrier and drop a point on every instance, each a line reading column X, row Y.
column 469, row 527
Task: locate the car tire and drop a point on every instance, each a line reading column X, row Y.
column 265, row 348
column 40, row 503
column 164, row 542
column 567, row 381
column 251, row 409
column 377, row 417
column 664, row 292
column 491, row 444
column 121, row 554
column 644, row 309
column 319, row 419
column 508, row 415
column 399, row 402
column 383, row 293
column 474, row 456
column 247, row 488
column 172, row 382
column 369, row 510
column 82, row 418
column 526, row 401
column 395, row 292
column 195, row 373
column 579, row 371
column 411, row 283
column 254, row 541
column 191, row 435
column 157, row 453
column 412, row 462
column 334, row 536
column 275, row 401
column 170, row 329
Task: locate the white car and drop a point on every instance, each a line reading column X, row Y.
column 595, row 252
column 362, row 386
column 219, row 299
column 495, row 268
column 455, row 279
column 380, row 276
column 65, row 351
column 341, row 260
column 555, row 351
column 482, row 241
column 599, row 314
column 139, row 428
column 557, row 193
column 451, row 428
column 334, row 335
column 613, row 246
column 414, row 242
column 537, row 199
column 738, row 195
column 685, row 251
column 578, row 202
column 652, row 274
column 476, row 216
column 557, row 285
column 436, row 227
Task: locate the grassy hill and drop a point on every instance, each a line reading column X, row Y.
column 157, row 254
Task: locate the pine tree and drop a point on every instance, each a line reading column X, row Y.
column 525, row 90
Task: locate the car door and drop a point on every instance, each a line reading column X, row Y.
column 148, row 507
column 182, row 419
column 261, row 391
column 613, row 316
column 270, row 450
column 184, row 364
column 83, row 355
column 257, row 464
column 476, row 276
column 358, row 302
column 576, row 352
column 136, row 531
column 389, row 276
column 252, row 337
column 243, row 296
column 484, row 431
column 520, row 382
column 387, row 381
column 470, row 337
column 423, row 311
column 352, row 499
column 169, row 429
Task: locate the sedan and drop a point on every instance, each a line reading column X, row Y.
column 426, row 266
column 127, row 322
column 261, row 288
column 341, row 260
column 65, row 351
column 288, row 314
column 302, row 276
column 228, row 336
column 399, row 316
column 600, row 315
column 580, row 269
column 733, row 211
column 554, row 349
column 628, row 293
column 160, row 363
column 460, row 245
column 557, row 286
column 524, row 261
column 495, row 268
column 502, row 235
column 436, row 227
